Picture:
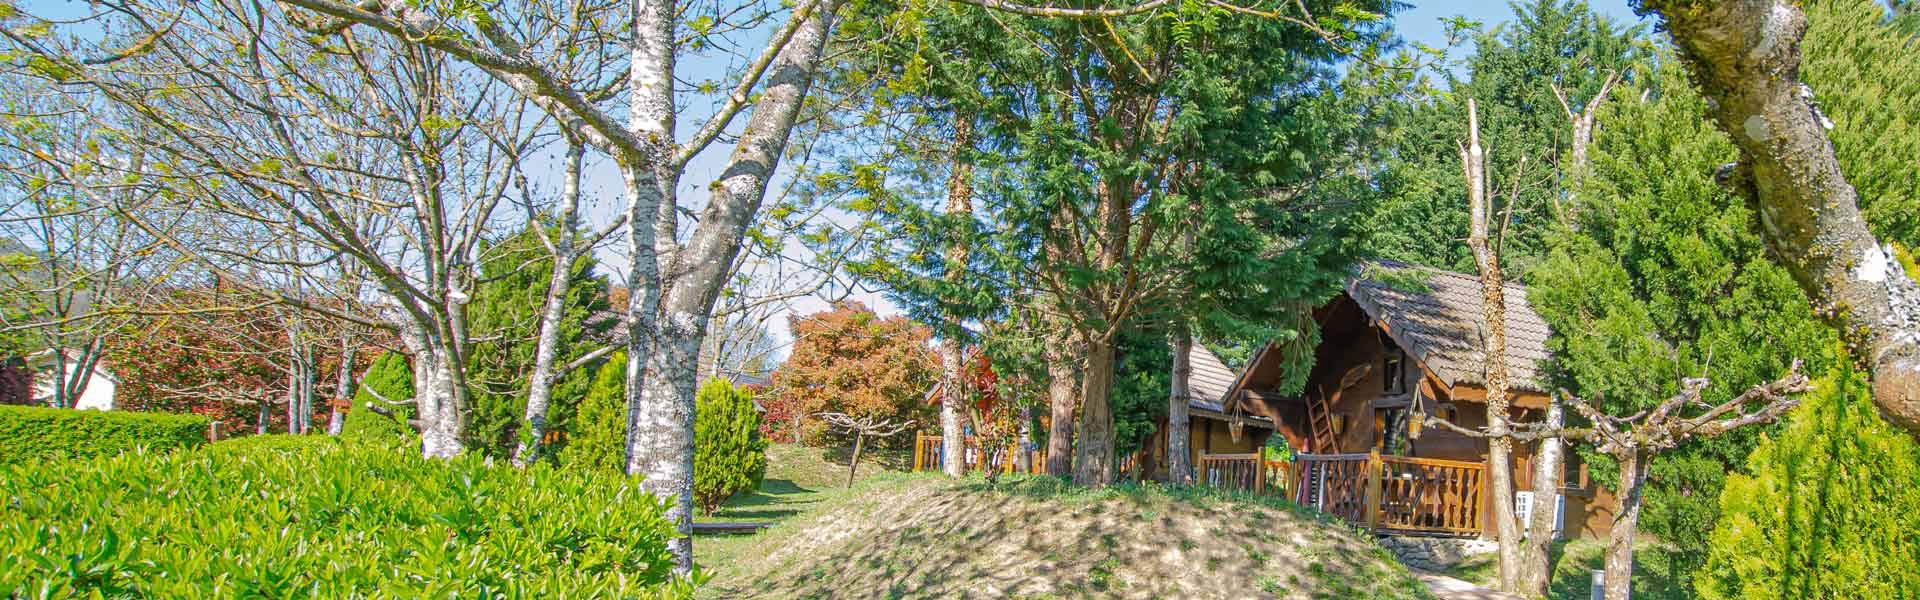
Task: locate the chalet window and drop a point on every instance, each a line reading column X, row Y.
column 1393, row 372
column 1573, row 471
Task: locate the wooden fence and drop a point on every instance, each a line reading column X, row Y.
column 929, row 456
column 1394, row 493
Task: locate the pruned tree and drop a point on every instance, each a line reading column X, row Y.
column 862, row 428
column 1633, row 440
column 1493, row 313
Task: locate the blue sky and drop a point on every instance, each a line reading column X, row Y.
column 1421, row 22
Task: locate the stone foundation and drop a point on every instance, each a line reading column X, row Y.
column 1435, row 554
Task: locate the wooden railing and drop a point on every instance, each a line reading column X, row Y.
column 1245, row 472
column 1425, row 495
column 929, row 456
column 1394, row 493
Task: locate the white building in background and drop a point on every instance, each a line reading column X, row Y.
column 98, row 395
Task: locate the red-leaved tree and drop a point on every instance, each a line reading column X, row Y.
column 850, row 360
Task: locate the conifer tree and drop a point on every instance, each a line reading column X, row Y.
column 1666, row 279
column 387, row 386
column 504, row 315
column 597, row 434
column 729, row 454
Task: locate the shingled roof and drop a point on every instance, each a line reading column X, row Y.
column 1435, row 316
column 1208, row 379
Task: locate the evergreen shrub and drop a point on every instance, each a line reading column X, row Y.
column 392, row 377
column 1829, row 511
column 729, row 453
column 597, row 435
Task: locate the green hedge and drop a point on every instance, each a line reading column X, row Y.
column 279, row 517
column 32, row 434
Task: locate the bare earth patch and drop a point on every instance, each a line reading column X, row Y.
column 915, row 536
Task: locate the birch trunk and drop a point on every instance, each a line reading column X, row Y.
column 661, row 389
column 1745, row 56
column 953, row 442
column 1493, row 313
column 1179, row 456
column 1093, row 454
column 343, row 384
column 1535, row 570
column 1619, row 566
column 1024, row 460
column 554, row 308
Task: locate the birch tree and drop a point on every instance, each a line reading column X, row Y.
column 674, row 283
column 288, row 132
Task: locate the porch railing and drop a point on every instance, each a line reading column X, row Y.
column 1245, row 472
column 1394, row 493
column 928, row 455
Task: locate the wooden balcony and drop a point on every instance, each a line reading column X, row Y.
column 1395, row 494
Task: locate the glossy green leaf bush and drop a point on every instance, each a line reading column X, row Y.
column 279, row 517
column 35, row 434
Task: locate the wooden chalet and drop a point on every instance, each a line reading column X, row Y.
column 1399, row 340
column 1402, row 339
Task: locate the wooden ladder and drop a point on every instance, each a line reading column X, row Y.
column 1320, row 411
column 1320, row 425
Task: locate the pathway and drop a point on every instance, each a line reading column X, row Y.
column 1448, row 588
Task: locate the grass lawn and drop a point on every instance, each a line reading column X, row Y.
column 1574, row 562
column 798, row 478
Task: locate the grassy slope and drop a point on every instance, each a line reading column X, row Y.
column 909, row 536
column 798, row 479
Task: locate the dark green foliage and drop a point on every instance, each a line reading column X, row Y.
column 38, row 435
column 1143, row 374
column 505, row 316
column 729, row 454
column 1866, row 80
column 1667, row 278
column 280, row 517
column 596, row 440
column 392, row 378
column 1422, row 216
column 1830, row 509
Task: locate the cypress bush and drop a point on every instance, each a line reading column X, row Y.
column 1830, row 510
column 597, row 435
column 393, row 378
column 310, row 516
column 729, row 454
column 34, row 434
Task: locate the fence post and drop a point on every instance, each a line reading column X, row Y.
column 1259, row 473
column 919, row 441
column 1373, row 490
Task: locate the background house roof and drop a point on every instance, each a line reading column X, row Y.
column 1209, row 380
column 1435, row 316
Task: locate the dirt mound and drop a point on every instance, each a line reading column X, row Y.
column 924, row 536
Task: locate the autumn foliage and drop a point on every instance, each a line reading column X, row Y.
column 849, row 359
